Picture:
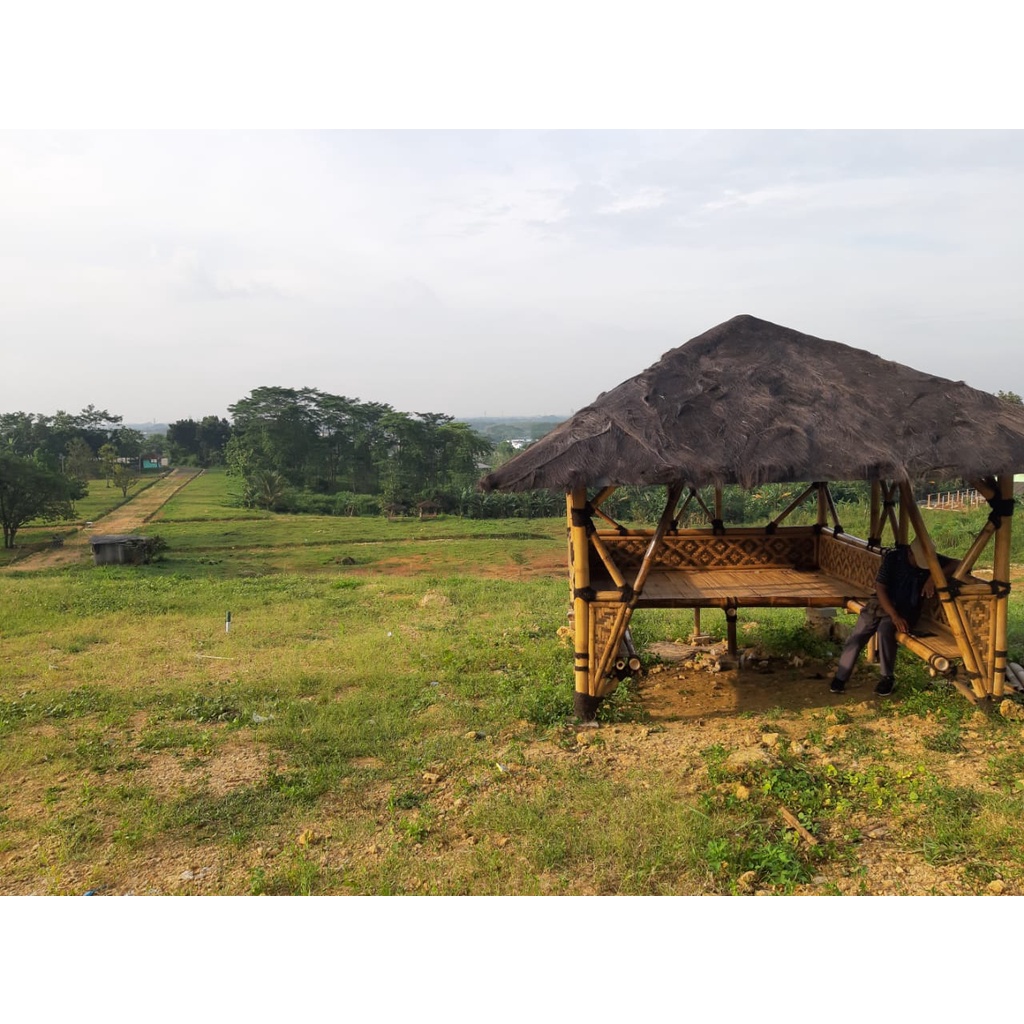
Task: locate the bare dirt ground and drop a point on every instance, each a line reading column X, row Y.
column 130, row 516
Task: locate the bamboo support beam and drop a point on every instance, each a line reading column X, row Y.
column 912, row 514
column 608, row 519
column 822, row 505
column 963, row 570
column 606, row 558
column 795, row 503
column 906, row 499
column 836, row 525
column 604, row 661
column 888, row 515
column 602, row 496
column 875, row 529
column 674, row 492
column 1001, row 578
column 718, row 504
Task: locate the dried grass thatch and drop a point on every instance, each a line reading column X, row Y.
column 750, row 402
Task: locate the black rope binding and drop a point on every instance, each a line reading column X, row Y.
column 626, row 593
column 718, row 527
column 1000, row 507
column 770, row 529
column 586, row 593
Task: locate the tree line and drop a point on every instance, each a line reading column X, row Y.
column 302, row 450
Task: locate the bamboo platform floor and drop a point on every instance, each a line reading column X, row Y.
column 748, row 588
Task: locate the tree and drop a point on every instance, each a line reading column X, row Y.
column 108, row 460
column 80, row 461
column 124, row 476
column 31, row 491
column 1010, row 396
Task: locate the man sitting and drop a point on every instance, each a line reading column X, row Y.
column 903, row 581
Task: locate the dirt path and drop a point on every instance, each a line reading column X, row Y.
column 124, row 519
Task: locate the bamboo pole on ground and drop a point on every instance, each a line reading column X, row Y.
column 912, row 514
column 1001, row 579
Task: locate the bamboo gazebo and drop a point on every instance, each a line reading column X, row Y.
column 749, row 403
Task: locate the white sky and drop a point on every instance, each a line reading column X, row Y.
column 164, row 274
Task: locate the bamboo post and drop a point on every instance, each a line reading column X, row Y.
column 579, row 560
column 911, row 513
column 1001, row 580
column 903, row 533
column 822, row 506
column 718, row 504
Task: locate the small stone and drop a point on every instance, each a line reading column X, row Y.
column 1011, row 709
column 740, row 759
column 746, row 881
column 742, row 793
column 997, row 887
column 796, row 748
column 431, row 778
column 475, row 734
column 187, row 876
column 770, row 739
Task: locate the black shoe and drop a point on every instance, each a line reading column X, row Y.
column 837, row 686
column 885, row 686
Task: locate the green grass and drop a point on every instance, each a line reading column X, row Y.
column 403, row 725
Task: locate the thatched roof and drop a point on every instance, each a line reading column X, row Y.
column 750, row 402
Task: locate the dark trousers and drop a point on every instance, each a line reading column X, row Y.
column 871, row 620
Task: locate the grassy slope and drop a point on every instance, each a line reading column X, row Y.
column 360, row 731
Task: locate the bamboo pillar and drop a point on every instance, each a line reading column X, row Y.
column 910, row 512
column 906, row 500
column 579, row 561
column 718, row 504
column 822, row 507
column 1001, row 580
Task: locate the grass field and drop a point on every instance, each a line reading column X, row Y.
column 389, row 713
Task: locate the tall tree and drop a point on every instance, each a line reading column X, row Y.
column 30, row 491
